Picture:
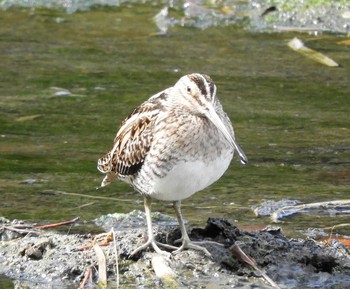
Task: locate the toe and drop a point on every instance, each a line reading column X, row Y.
column 191, row 245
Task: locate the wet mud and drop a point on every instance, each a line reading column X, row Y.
column 38, row 258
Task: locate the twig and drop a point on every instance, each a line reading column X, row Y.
column 18, row 230
column 19, row 226
column 86, row 278
column 116, row 258
column 102, row 270
column 290, row 210
column 337, row 226
column 344, row 241
column 241, row 256
column 85, row 205
column 55, row 225
column 164, row 272
column 298, row 46
column 244, row 258
column 107, row 238
column 86, row 196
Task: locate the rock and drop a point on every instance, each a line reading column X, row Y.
column 36, row 251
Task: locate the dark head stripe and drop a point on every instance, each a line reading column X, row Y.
column 199, row 81
column 204, row 82
column 211, row 85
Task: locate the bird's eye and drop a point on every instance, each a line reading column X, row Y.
column 188, row 89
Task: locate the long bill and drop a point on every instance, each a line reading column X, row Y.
column 214, row 118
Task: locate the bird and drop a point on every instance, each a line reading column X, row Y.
column 176, row 143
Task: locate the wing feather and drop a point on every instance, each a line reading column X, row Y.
column 132, row 142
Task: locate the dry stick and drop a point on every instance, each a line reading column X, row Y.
column 14, row 229
column 26, row 228
column 164, row 272
column 102, row 271
column 87, row 196
column 298, row 46
column 337, row 226
column 85, row 205
column 244, row 258
column 18, row 226
column 116, row 258
column 290, row 210
column 55, row 225
column 104, row 242
column 86, row 278
column 342, row 240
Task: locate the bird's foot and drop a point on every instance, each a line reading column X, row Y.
column 200, row 242
column 155, row 245
column 188, row 244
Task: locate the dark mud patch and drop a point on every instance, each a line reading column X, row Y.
column 41, row 258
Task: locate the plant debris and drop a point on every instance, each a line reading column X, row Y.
column 36, row 260
column 297, row 45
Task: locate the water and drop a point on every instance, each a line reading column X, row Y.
column 281, row 15
column 68, row 80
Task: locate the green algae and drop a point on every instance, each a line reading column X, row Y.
column 290, row 114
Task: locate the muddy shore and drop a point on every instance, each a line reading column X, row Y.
column 39, row 259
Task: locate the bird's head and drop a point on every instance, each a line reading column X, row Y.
column 198, row 94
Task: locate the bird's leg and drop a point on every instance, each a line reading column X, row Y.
column 151, row 241
column 186, row 242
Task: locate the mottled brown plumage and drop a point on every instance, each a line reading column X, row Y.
column 174, row 144
column 131, row 143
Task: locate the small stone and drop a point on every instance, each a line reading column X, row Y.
column 33, row 253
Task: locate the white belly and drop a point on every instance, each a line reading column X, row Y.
column 187, row 178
